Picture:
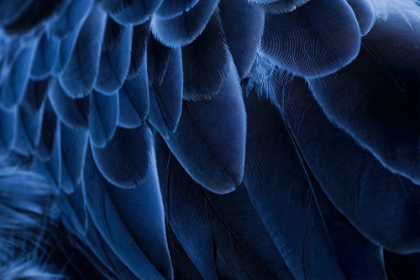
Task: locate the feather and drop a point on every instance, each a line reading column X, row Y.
column 44, row 146
column 203, row 221
column 172, row 8
column 80, row 73
column 45, row 56
column 131, row 12
column 375, row 99
column 243, row 25
column 211, row 136
column 370, row 197
column 116, row 212
column 35, row 95
column 364, row 13
column 65, row 49
column 115, row 61
column 138, row 48
column 134, row 99
column 166, row 97
column 32, row 15
column 124, row 161
column 281, row 195
column 11, row 10
column 278, row 6
column 72, row 150
column 27, row 129
column 103, row 118
column 185, row 28
column 16, row 82
column 206, row 62
column 72, row 18
column 7, row 132
column 314, row 40
column 72, row 112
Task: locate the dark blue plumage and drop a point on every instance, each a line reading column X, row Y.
column 209, row 139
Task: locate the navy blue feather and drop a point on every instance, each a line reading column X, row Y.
column 115, row 58
column 35, row 95
column 124, row 161
column 185, row 28
column 373, row 199
column 72, row 112
column 131, row 12
column 376, row 98
column 28, row 129
column 49, row 123
column 72, row 18
column 134, row 99
column 116, row 213
column 7, row 132
column 203, row 221
column 206, row 62
column 278, row 6
column 211, row 136
column 165, row 96
column 45, row 56
column 138, row 48
column 103, row 118
column 80, row 73
column 364, row 13
column 73, row 145
column 314, row 40
column 172, row 8
column 13, row 89
column 282, row 196
column 243, row 25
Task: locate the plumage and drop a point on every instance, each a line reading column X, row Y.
column 212, row 134
column 79, row 75
column 103, row 118
column 209, row 139
column 124, row 161
column 314, row 40
column 381, row 106
column 115, row 62
column 199, row 69
column 183, row 29
column 129, row 11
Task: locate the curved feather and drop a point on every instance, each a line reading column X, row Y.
column 380, row 93
column 28, row 129
column 35, row 95
column 11, row 10
column 124, row 161
column 243, row 25
column 138, row 48
column 45, row 56
column 134, row 99
column 7, row 132
column 206, row 62
column 278, row 6
column 17, row 80
column 212, row 134
column 80, row 73
column 166, row 97
column 172, row 8
column 103, row 118
column 116, row 212
column 131, row 12
column 72, row 112
column 314, row 40
column 279, row 190
column 46, row 139
column 115, row 58
column 185, row 28
column 364, row 13
column 374, row 200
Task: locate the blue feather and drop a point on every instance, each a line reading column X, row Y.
column 116, row 212
column 124, row 161
column 172, row 8
column 212, row 134
column 131, row 12
column 80, row 73
column 103, row 118
column 45, row 56
column 138, row 48
column 206, row 62
column 314, row 40
column 278, row 6
column 134, row 99
column 185, row 28
column 115, row 61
